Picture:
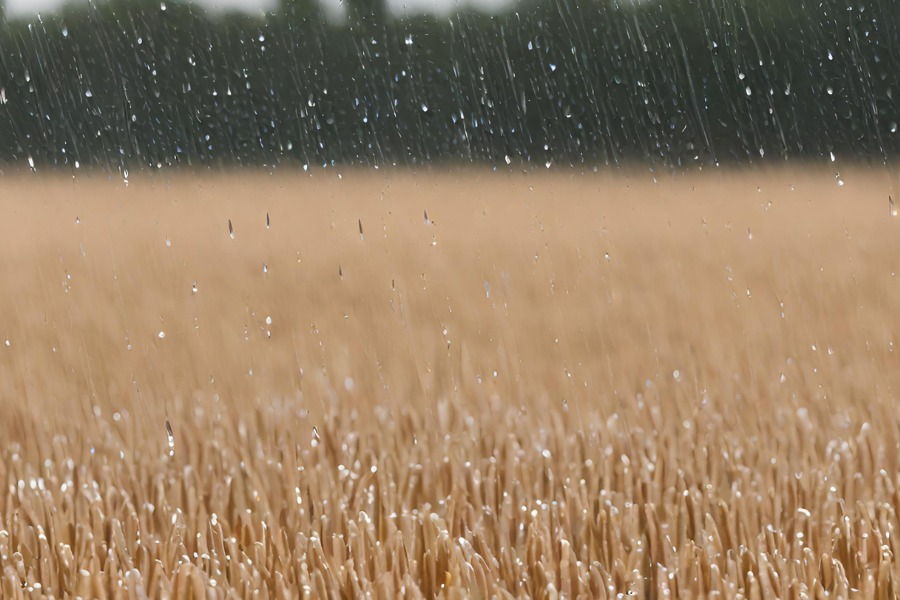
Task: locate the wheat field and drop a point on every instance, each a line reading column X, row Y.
column 456, row 384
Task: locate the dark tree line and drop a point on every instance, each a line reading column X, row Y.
column 678, row 83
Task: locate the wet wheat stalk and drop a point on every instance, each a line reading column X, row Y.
column 707, row 415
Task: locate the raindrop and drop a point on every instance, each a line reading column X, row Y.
column 892, row 206
column 427, row 220
column 360, row 230
column 171, row 439
column 348, row 383
column 162, row 335
column 267, row 220
column 676, row 374
column 230, row 229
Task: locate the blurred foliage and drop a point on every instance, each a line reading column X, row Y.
column 676, row 83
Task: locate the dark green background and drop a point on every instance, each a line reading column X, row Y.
column 664, row 83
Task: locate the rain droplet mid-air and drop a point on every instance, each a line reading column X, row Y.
column 892, row 206
column 230, row 229
column 171, row 439
column 360, row 230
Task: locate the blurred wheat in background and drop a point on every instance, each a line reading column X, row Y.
column 449, row 385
